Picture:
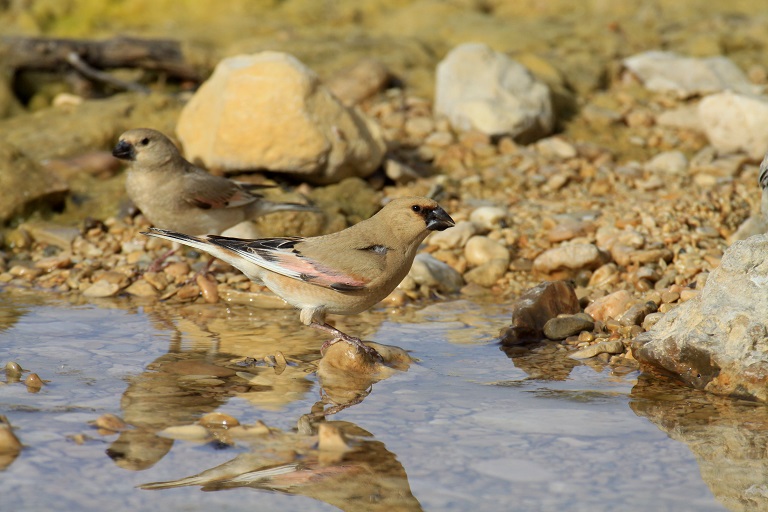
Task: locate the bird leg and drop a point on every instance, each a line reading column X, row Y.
column 338, row 335
column 157, row 264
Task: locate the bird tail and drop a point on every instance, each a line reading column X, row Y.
column 201, row 243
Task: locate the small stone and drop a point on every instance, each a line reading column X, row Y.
column 651, row 319
column 33, row 381
column 141, row 288
column 429, row 271
column 637, row 313
column 158, row 280
column 101, row 289
column 13, row 370
column 208, row 288
column 110, row 422
column 610, row 306
column 670, row 296
column 217, row 420
column 25, row 272
column 561, row 327
column 176, row 270
column 570, row 257
column 362, row 80
column 54, row 262
column 456, row 237
column 688, row 294
column 532, row 310
column 51, row 234
column 480, row 250
column 489, row 218
column 604, row 347
column 488, row 273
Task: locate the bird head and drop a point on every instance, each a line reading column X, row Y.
column 147, row 147
column 415, row 217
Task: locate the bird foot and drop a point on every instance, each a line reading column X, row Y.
column 355, row 342
column 341, row 336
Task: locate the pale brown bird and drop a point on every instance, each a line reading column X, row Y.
column 174, row 194
column 341, row 273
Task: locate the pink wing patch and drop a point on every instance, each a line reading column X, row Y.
column 316, row 273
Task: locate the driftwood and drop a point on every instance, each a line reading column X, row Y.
column 47, row 54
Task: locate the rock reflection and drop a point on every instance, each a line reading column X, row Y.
column 728, row 437
column 334, row 462
column 541, row 361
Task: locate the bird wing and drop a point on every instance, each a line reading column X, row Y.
column 206, row 191
column 281, row 256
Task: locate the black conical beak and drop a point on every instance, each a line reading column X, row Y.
column 438, row 220
column 123, row 150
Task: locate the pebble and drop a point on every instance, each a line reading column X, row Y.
column 561, row 327
column 158, row 280
column 13, row 370
column 651, row 319
column 141, row 288
column 208, row 288
column 637, row 313
column 177, row 270
column 489, row 218
column 33, row 381
column 185, row 432
column 480, row 250
column 218, row 420
column 110, row 422
column 455, row 237
column 431, row 272
column 101, row 289
column 488, row 273
column 603, row 347
column 570, row 256
column 610, row 306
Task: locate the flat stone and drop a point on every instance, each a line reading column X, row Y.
column 536, row 307
column 604, row 347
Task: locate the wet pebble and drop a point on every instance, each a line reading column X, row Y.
column 13, row 370
column 141, row 288
column 101, row 289
column 433, row 273
column 488, row 273
column 561, row 327
column 158, row 280
column 651, row 319
column 218, row 420
column 110, row 423
column 603, row 347
column 33, row 382
column 208, row 288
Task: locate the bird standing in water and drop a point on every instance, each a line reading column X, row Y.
column 341, row 273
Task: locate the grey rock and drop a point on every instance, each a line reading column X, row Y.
column 429, row 271
column 718, row 340
column 736, row 122
column 561, row 327
column 479, row 88
column 637, row 313
column 688, row 76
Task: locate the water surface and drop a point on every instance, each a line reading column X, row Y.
column 467, row 427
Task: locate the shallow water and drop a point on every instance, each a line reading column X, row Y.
column 466, row 427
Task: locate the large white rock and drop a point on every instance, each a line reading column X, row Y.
column 269, row 111
column 736, row 122
column 688, row 76
column 718, row 341
column 482, row 89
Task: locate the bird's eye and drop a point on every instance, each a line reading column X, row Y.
column 416, row 208
column 144, row 141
